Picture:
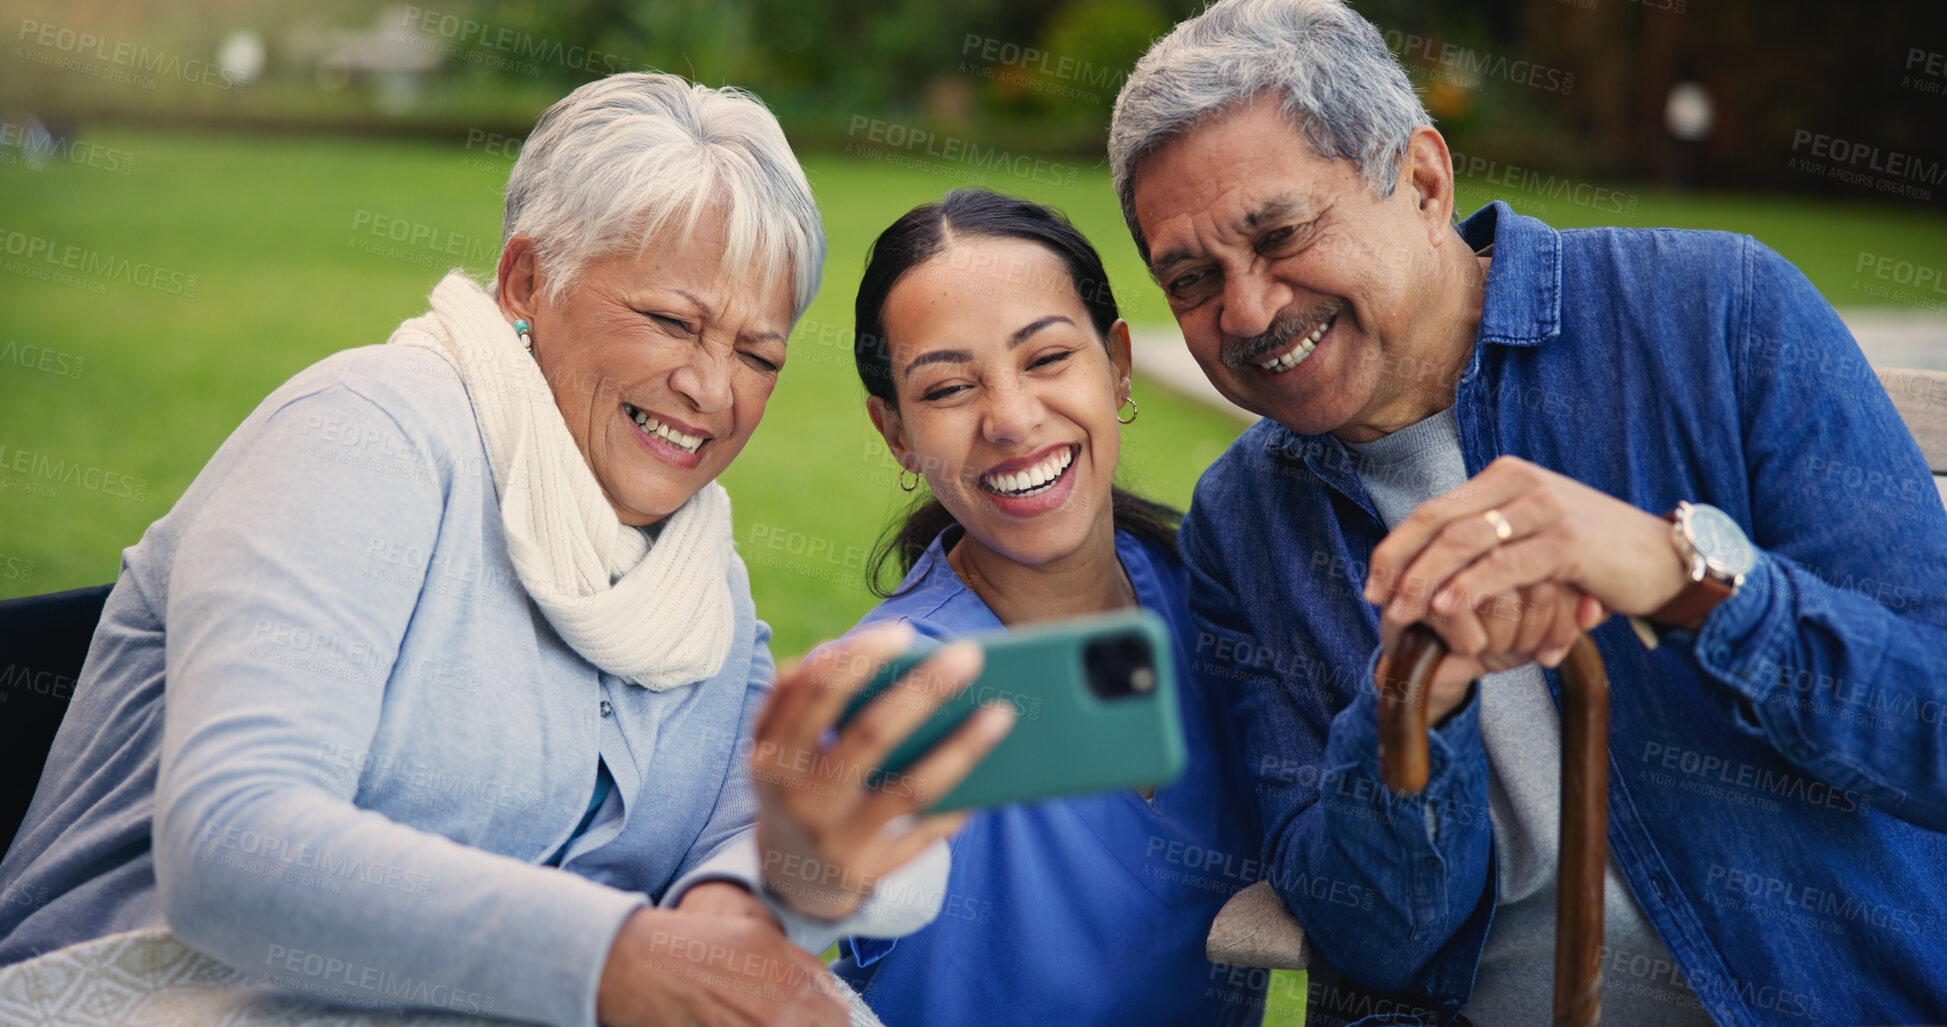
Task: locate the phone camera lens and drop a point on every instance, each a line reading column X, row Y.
column 1120, row 666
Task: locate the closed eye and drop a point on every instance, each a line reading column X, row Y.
column 674, row 324
column 761, row 364
column 1183, row 283
column 941, row 393
column 1052, row 358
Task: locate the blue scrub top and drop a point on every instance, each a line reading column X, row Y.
column 1086, row 910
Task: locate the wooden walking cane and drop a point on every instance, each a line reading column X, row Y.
column 1405, row 674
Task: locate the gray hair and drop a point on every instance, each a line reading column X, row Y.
column 624, row 158
column 1341, row 87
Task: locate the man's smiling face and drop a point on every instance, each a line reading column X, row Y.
column 1299, row 292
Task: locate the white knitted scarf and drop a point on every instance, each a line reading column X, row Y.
column 657, row 615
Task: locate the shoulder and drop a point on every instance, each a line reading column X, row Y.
column 1254, row 455
column 1246, row 472
column 1158, row 575
column 415, row 388
column 1665, row 257
column 933, row 600
column 1142, row 556
column 399, row 411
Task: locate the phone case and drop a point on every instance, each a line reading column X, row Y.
column 1066, row 738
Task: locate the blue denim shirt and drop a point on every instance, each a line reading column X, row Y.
column 1776, row 778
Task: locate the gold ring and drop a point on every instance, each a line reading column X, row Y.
column 1502, row 529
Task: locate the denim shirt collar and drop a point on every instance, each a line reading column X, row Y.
column 1522, row 307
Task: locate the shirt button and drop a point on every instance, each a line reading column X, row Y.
column 608, row 710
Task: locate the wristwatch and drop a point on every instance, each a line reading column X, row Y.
column 1715, row 554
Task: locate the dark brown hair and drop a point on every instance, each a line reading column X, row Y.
column 914, row 239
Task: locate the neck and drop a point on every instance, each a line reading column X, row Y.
column 1089, row 579
column 1437, row 359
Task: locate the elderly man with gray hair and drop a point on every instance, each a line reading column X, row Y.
column 1482, row 426
column 439, row 685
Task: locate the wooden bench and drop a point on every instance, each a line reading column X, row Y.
column 1255, row 929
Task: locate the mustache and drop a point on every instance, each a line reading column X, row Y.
column 1250, row 351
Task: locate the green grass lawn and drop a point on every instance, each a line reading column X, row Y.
column 219, row 265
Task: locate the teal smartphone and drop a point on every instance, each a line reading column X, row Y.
column 1095, row 709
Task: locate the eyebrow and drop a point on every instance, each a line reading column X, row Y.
column 963, row 356
column 710, row 314
column 1275, row 209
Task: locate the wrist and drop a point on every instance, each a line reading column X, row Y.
column 822, row 902
column 1715, row 555
column 724, row 897
column 613, row 989
column 808, row 885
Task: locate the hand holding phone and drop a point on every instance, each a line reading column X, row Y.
column 826, row 827
column 1096, row 704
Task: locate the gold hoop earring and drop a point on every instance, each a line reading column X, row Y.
column 1133, row 411
column 903, row 472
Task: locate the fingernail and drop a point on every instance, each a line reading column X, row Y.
column 959, row 657
column 1551, row 658
column 1445, row 601
column 890, row 633
column 996, row 720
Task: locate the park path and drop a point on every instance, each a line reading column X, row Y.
column 1890, row 338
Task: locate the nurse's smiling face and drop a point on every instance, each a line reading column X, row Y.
column 1006, row 396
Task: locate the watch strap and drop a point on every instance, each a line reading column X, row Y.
column 1697, row 599
column 1692, row 604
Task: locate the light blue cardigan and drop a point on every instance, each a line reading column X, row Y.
column 324, row 734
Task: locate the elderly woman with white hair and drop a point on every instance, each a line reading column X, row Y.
column 444, row 670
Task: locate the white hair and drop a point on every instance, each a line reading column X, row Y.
column 1340, row 86
column 624, row 159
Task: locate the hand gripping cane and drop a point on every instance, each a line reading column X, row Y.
column 1405, row 674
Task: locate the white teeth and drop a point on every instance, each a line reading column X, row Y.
column 681, row 440
column 1033, row 480
column 1298, row 353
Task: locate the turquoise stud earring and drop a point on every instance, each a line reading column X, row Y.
column 521, row 326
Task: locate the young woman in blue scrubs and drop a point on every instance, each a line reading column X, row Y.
column 996, row 364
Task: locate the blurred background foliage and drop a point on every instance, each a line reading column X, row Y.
column 1041, row 74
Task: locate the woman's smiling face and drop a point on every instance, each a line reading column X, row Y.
column 1007, row 395
column 660, row 364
